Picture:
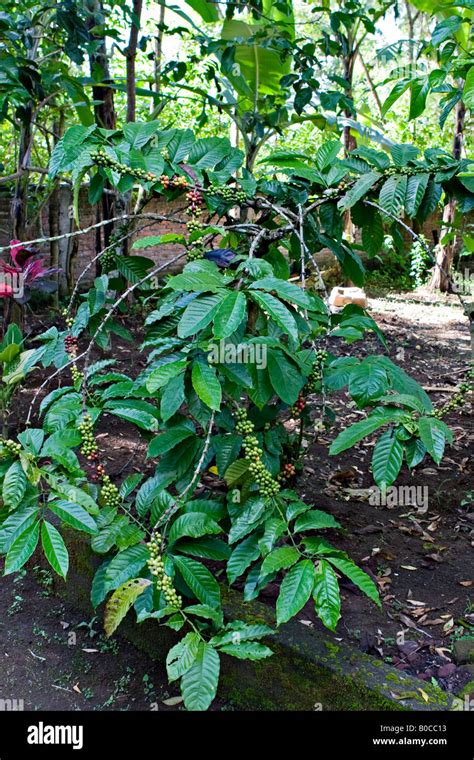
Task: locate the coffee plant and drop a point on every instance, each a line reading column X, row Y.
column 234, row 346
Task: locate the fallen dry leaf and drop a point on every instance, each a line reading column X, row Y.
column 434, row 557
column 434, row 621
column 406, row 621
column 172, row 701
column 424, row 695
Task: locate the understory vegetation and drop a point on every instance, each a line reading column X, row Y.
column 236, row 362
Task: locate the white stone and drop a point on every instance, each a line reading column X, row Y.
column 340, row 297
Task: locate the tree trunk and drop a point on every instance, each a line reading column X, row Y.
column 105, row 117
column 54, row 211
column 158, row 60
column 350, row 142
column 440, row 279
column 20, row 197
column 131, row 55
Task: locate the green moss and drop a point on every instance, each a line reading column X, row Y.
column 284, row 683
column 468, row 690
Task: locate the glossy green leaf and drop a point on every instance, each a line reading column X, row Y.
column 326, row 595
column 54, row 549
column 200, row 580
column 199, row 683
column 21, row 549
column 295, row 590
column 229, row 314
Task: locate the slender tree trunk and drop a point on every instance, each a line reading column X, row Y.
column 105, row 115
column 54, row 211
column 158, row 60
column 350, row 143
column 445, row 252
column 131, row 55
column 372, row 86
column 19, row 204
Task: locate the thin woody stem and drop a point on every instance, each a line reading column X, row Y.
column 85, row 230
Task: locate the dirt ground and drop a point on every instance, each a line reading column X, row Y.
column 421, row 556
column 54, row 659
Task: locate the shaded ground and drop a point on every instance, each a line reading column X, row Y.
column 421, row 558
column 53, row 659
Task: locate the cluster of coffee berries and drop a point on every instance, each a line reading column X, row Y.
column 109, row 493
column 244, row 426
column 89, row 446
column 176, row 182
column 76, row 375
column 196, row 251
column 166, row 586
column 227, row 193
column 316, row 374
column 108, row 260
column 458, row 399
column 71, row 345
column 409, row 170
column 330, row 192
column 299, row 406
column 101, row 158
column 193, row 225
column 69, row 320
column 12, row 447
column 157, row 568
column 287, row 472
column 195, row 200
column 266, row 483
